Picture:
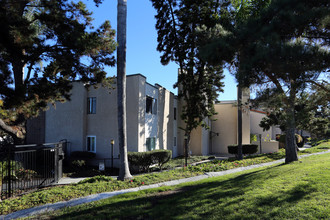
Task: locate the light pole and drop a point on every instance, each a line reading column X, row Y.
column 112, row 143
column 186, row 150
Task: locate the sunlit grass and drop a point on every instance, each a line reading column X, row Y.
column 101, row 184
column 300, row 190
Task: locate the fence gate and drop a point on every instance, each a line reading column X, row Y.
column 26, row 167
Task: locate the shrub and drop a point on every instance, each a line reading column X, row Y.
column 15, row 165
column 139, row 161
column 78, row 165
column 253, row 137
column 299, row 141
column 78, row 160
column 83, row 155
column 246, row 148
column 94, row 179
column 23, row 174
column 160, row 157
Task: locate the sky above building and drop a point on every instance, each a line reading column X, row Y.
column 142, row 56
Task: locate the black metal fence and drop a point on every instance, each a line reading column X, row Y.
column 26, row 167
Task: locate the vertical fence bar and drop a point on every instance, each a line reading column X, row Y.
column 28, row 169
column 9, row 172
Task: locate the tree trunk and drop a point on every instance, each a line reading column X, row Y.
column 186, row 147
column 239, row 123
column 291, row 150
column 124, row 172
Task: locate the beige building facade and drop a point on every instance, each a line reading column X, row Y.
column 88, row 122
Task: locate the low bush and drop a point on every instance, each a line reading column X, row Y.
column 78, row 160
column 78, row 165
column 95, row 179
column 246, row 148
column 82, row 155
column 299, row 140
column 253, row 137
column 141, row 161
column 160, row 157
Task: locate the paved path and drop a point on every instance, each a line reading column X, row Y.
column 96, row 197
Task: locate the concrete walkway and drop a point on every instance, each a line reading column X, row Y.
column 96, row 197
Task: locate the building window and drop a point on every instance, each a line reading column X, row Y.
column 174, row 113
column 91, row 144
column 151, row 105
column 151, row 143
column 91, row 105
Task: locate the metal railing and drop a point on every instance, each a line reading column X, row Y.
column 27, row 167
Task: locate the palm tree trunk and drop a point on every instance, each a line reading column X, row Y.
column 124, row 172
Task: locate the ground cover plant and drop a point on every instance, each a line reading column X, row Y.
column 179, row 161
column 299, row 190
column 89, row 186
column 100, row 184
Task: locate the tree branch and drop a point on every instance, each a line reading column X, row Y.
column 319, row 85
column 28, row 74
column 11, row 130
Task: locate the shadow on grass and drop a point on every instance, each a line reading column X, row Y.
column 209, row 199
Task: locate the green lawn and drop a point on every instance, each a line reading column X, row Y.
column 101, row 184
column 300, row 190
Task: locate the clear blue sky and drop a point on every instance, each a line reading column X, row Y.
column 142, row 56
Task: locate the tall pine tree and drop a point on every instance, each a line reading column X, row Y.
column 285, row 46
column 178, row 25
column 44, row 46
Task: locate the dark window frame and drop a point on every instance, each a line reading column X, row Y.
column 91, row 105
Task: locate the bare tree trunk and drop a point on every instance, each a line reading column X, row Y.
column 186, row 147
column 239, row 123
column 291, row 150
column 124, row 172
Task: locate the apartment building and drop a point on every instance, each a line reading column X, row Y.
column 89, row 120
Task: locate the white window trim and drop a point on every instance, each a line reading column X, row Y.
column 153, row 106
column 90, row 136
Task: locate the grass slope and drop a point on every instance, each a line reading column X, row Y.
column 300, row 190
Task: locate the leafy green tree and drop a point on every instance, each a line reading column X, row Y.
column 124, row 172
column 285, row 47
column 178, row 24
column 312, row 111
column 44, row 46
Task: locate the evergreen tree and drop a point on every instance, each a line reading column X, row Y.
column 178, row 25
column 284, row 46
column 44, row 46
column 312, row 111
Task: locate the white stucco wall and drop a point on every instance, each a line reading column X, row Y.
column 67, row 120
column 206, row 139
column 151, row 120
column 255, row 119
column 225, row 126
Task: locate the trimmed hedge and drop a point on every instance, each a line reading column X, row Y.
column 246, row 148
column 79, row 159
column 161, row 157
column 141, row 161
column 83, row 155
